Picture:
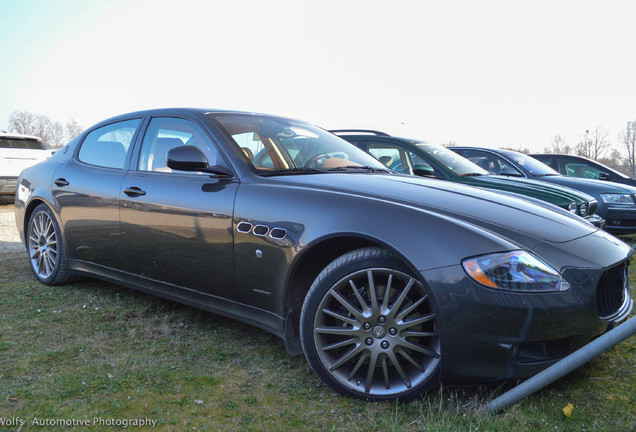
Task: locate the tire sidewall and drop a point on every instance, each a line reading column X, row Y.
column 345, row 265
column 60, row 273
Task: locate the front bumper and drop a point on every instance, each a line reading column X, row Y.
column 620, row 220
column 490, row 335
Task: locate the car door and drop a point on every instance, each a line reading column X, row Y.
column 176, row 225
column 86, row 190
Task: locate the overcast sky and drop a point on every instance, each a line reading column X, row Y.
column 488, row 73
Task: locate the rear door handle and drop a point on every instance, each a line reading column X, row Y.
column 134, row 191
column 61, row 182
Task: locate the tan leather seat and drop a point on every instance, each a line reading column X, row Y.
column 248, row 152
column 386, row 160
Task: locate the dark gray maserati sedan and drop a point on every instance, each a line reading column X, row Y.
column 388, row 284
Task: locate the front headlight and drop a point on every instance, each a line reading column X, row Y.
column 617, row 199
column 572, row 207
column 583, row 209
column 515, row 271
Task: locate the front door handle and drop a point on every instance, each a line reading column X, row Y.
column 134, row 191
column 61, row 182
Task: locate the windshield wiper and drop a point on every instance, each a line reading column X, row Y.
column 473, row 174
column 365, row 168
column 292, row 171
column 546, row 175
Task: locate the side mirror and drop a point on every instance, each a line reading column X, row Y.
column 423, row 171
column 187, row 158
column 511, row 172
column 190, row 158
column 604, row 176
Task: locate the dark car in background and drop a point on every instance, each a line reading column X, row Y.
column 579, row 166
column 387, row 283
column 616, row 201
column 420, row 158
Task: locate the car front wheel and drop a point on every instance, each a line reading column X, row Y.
column 46, row 248
column 369, row 329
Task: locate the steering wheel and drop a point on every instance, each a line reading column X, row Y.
column 312, row 160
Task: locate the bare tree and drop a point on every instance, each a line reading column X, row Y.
column 53, row 134
column 614, row 159
column 558, row 145
column 72, row 129
column 56, row 134
column 593, row 144
column 629, row 141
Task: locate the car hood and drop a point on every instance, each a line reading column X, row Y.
column 592, row 187
column 496, row 213
column 555, row 194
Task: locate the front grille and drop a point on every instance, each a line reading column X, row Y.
column 612, row 298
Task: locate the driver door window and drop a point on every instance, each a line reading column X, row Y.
column 163, row 135
column 392, row 156
column 490, row 162
column 574, row 168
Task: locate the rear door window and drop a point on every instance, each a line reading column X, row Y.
column 108, row 146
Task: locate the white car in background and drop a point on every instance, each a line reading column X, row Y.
column 18, row 152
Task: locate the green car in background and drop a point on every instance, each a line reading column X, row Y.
column 421, row 158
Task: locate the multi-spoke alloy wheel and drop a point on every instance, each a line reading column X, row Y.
column 374, row 333
column 45, row 248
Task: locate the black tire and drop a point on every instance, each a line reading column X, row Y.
column 363, row 343
column 45, row 247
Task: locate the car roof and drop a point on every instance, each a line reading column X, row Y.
column 480, row 148
column 370, row 133
column 567, row 155
column 19, row 136
column 181, row 111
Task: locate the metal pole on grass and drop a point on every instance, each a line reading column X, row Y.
column 563, row 366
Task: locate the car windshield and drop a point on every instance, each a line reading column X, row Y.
column 282, row 146
column 457, row 164
column 533, row 166
column 20, row 143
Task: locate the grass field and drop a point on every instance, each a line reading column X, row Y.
column 99, row 353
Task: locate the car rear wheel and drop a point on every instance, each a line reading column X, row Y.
column 46, row 248
column 369, row 328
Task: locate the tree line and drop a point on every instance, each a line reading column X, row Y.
column 595, row 144
column 54, row 134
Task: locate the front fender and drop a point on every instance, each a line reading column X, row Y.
column 321, row 224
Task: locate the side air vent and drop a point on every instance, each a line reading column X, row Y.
column 278, row 233
column 244, row 227
column 261, row 230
